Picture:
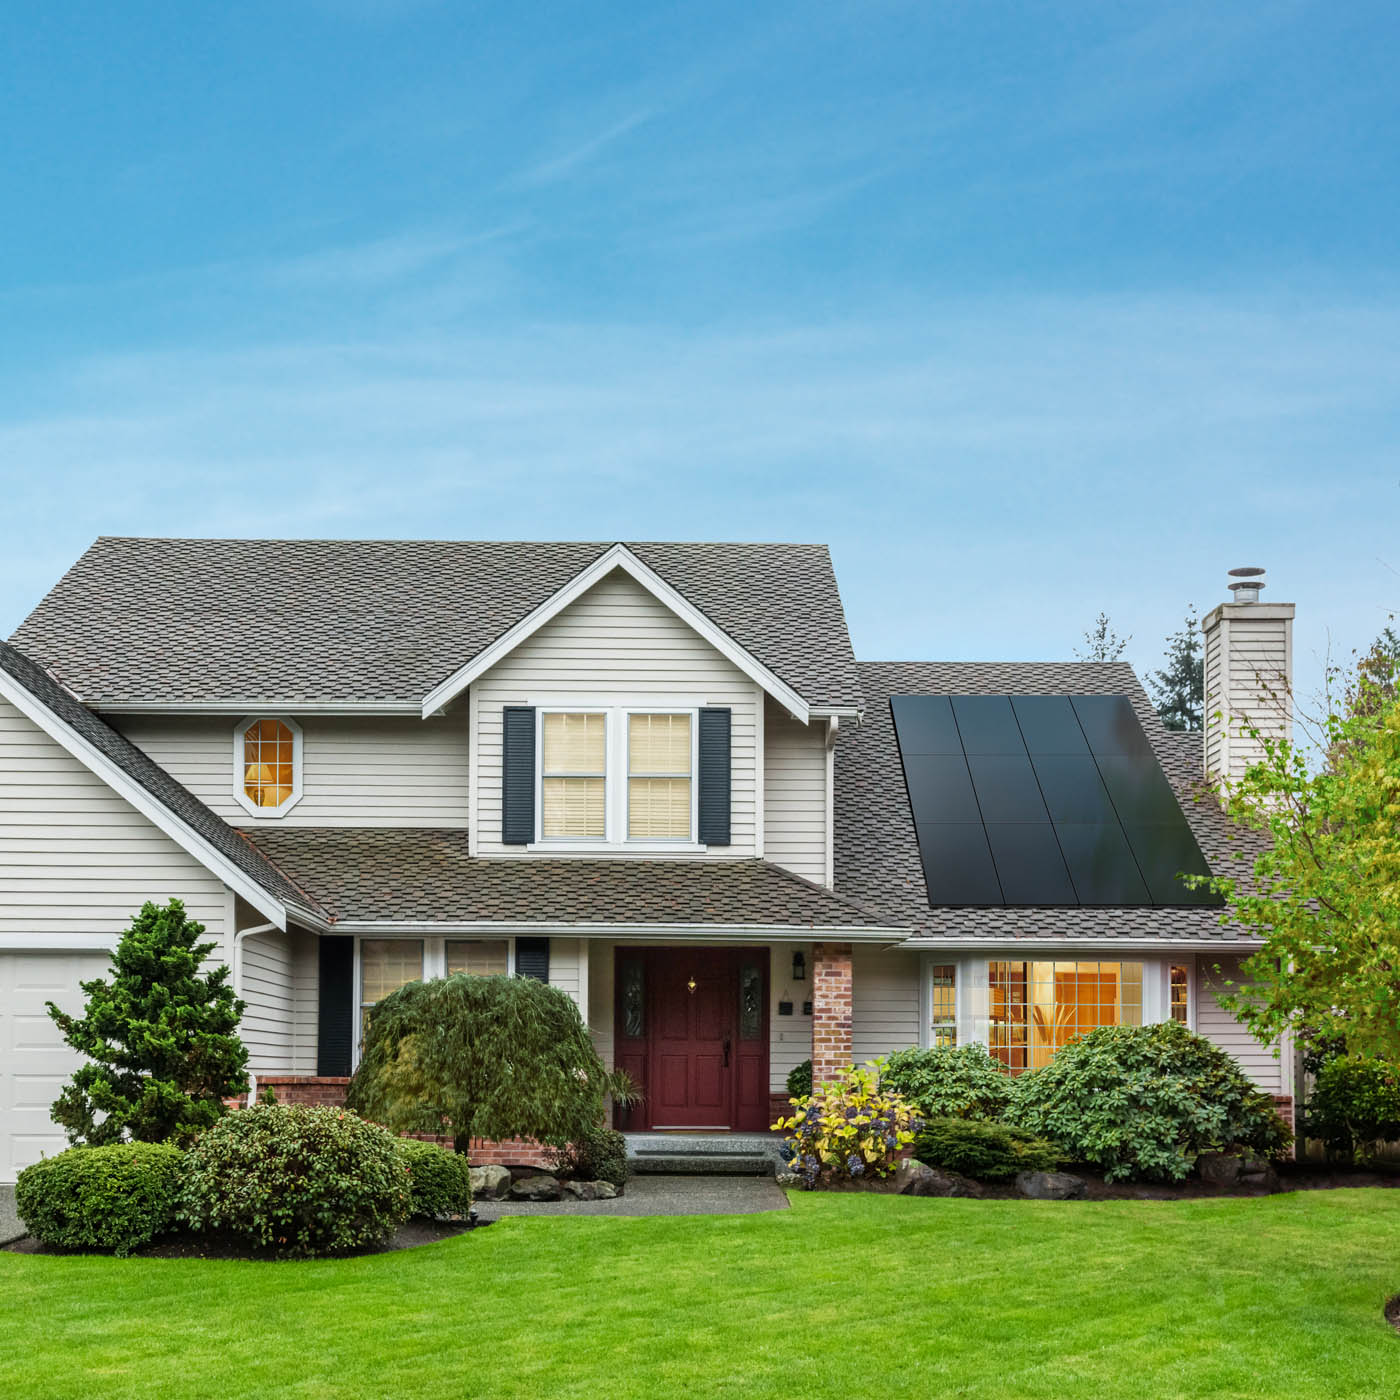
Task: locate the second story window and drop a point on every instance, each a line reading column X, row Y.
column 658, row 777
column 267, row 765
column 573, row 776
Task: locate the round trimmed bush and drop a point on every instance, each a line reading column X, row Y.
column 1355, row 1106
column 598, row 1155
column 988, row 1151
column 113, row 1199
column 1143, row 1102
column 439, row 1180
column 297, row 1180
column 950, row 1083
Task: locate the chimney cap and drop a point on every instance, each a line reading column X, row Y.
column 1247, row 585
column 1246, row 573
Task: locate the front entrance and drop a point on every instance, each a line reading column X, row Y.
column 692, row 1029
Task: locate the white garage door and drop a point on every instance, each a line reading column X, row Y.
column 34, row 1061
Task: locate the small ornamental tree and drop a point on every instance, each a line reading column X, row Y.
column 158, row 1036
column 493, row 1057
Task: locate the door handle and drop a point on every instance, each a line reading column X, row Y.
column 726, row 1052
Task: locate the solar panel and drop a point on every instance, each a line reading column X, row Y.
column 1042, row 800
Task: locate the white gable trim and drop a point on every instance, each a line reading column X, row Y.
column 618, row 557
column 155, row 812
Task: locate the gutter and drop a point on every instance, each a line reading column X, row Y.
column 721, row 933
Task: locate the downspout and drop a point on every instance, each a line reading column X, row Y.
column 238, row 938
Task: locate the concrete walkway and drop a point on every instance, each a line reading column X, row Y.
column 660, row 1195
column 10, row 1227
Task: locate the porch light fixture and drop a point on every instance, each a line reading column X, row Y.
column 799, row 966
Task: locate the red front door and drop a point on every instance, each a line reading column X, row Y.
column 692, row 1029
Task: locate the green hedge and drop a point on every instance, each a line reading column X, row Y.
column 439, row 1180
column 950, row 1083
column 1355, row 1106
column 296, row 1180
column 113, row 1199
column 984, row 1150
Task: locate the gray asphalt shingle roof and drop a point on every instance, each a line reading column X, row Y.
column 386, row 620
column 425, row 873
column 877, row 851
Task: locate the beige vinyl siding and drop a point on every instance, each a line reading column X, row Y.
column 613, row 645
column 794, row 793
column 564, row 969
column 356, row 770
column 1221, row 1028
column 77, row 858
column 789, row 1037
column 279, row 1023
column 884, row 1002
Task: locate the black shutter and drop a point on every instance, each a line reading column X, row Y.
column 532, row 958
column 518, row 775
column 714, row 777
column 335, row 1025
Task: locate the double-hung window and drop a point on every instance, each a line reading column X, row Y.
column 574, row 776
column 386, row 964
column 659, row 777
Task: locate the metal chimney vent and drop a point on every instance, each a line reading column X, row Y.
column 1249, row 584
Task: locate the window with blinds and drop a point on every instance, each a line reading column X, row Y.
column 485, row 957
column 386, row 964
column 659, row 777
column 573, row 776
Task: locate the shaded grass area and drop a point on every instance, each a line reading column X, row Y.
column 844, row 1295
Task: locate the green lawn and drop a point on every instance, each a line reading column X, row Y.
column 847, row 1295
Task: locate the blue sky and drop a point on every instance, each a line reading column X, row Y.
column 1027, row 309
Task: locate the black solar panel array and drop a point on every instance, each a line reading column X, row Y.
column 1042, row 800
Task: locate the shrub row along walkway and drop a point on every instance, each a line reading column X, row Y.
column 660, row 1195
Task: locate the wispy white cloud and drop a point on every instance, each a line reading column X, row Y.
column 568, row 162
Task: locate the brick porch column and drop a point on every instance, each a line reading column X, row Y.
column 831, row 1010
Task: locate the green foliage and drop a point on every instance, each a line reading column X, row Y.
column 297, row 1180
column 439, row 1180
column 849, row 1129
column 965, row 1082
column 799, row 1080
column 987, row 1151
column 597, row 1155
column 1101, row 642
column 158, row 1038
column 1355, row 1106
column 1143, row 1102
column 112, row 1199
column 1178, row 689
column 492, row 1057
column 1325, row 891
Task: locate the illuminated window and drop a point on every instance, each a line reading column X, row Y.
column 1036, row 1008
column 573, row 776
column 1181, row 994
column 486, row 957
column 386, row 964
column 943, row 1018
column 658, row 777
column 267, row 765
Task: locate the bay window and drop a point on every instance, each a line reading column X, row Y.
column 1036, row 1008
column 943, row 1006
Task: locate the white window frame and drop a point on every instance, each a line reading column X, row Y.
column 1189, row 963
column 959, row 966
column 617, row 721
column 240, row 767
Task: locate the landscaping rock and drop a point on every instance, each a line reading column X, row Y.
column 590, row 1190
column 1219, row 1168
column 1051, row 1186
column 913, row 1178
column 535, row 1188
column 787, row 1179
column 490, row 1183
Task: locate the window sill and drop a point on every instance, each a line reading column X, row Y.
column 613, row 848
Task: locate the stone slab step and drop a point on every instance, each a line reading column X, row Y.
column 702, row 1164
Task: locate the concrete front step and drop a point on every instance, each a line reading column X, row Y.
column 711, row 1154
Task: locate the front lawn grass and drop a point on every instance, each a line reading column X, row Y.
column 848, row 1296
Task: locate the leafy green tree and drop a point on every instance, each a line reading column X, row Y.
column 1178, row 689
column 1101, row 642
column 1325, row 893
column 159, row 1037
column 493, row 1057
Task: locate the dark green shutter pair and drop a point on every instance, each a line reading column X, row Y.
column 518, row 775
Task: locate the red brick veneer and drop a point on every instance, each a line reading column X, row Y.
column 831, row 1010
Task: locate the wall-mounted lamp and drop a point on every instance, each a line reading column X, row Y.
column 799, row 966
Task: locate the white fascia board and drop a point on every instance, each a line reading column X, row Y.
column 562, row 928
column 255, row 706
column 618, row 557
column 124, row 785
column 1048, row 950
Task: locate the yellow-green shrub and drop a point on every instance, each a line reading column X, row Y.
column 848, row 1129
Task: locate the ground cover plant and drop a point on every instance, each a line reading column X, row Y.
column 1278, row 1298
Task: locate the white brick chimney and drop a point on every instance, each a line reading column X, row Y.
column 1248, row 676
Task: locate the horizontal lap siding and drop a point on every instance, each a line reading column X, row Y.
column 615, row 642
column 77, row 858
column 884, row 1002
column 789, row 1037
column 1218, row 1026
column 279, row 989
column 564, row 968
column 366, row 771
column 794, row 793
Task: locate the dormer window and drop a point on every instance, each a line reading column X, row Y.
column 267, row 765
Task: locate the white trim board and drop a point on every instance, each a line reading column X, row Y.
column 559, row 928
column 159, row 815
column 617, row 557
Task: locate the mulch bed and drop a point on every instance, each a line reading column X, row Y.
column 1392, row 1312
column 407, row 1236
